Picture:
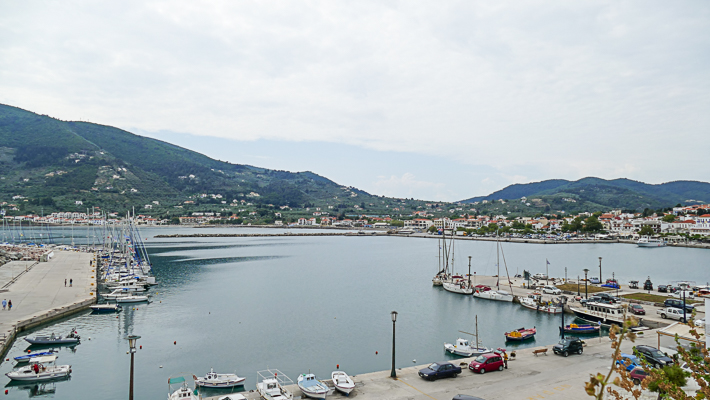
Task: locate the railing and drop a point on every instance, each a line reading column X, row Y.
column 13, row 280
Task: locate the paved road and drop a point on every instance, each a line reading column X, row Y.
column 42, row 288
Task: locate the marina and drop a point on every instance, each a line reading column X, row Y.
column 195, row 277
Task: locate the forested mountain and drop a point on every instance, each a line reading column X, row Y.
column 593, row 193
column 63, row 162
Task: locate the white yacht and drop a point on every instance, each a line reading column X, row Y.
column 215, row 380
column 534, row 302
column 595, row 312
column 650, row 242
column 464, row 348
column 40, row 369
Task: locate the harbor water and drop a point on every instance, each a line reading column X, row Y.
column 303, row 304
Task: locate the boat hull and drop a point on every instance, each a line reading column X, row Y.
column 493, row 295
column 342, row 382
column 545, row 308
column 582, row 330
column 26, row 374
column 313, row 394
column 226, row 383
column 466, row 352
column 42, row 342
column 456, row 288
column 581, row 314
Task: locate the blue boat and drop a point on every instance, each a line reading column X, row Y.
column 26, row 357
column 580, row 329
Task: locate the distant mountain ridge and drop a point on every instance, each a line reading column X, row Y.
column 43, row 157
column 616, row 193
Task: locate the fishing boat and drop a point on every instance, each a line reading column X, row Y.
column 342, row 382
column 464, row 348
column 131, row 299
column 312, row 387
column 71, row 338
column 184, row 392
column 595, row 312
column 580, row 329
column 650, row 242
column 520, row 334
column 498, row 294
column 41, row 368
column 534, row 302
column 271, row 385
column 215, row 380
column 27, row 357
column 105, row 308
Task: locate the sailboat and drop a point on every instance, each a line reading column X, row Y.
column 464, row 348
column 443, row 269
column 460, row 285
column 500, row 295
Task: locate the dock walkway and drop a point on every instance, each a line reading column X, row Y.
column 38, row 295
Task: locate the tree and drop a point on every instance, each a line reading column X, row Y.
column 432, row 229
column 669, row 218
column 646, row 231
column 592, row 224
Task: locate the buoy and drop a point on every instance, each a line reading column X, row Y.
column 161, row 366
column 175, row 342
column 127, row 353
column 414, row 361
column 376, row 353
column 89, row 337
column 5, row 391
column 141, row 347
column 29, row 351
column 209, row 313
column 337, row 366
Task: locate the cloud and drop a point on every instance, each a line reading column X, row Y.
column 406, row 186
column 562, row 89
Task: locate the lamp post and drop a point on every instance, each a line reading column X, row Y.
column 578, row 294
column 586, row 294
column 600, row 270
column 132, row 344
column 394, row 319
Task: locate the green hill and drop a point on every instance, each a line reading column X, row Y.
column 65, row 162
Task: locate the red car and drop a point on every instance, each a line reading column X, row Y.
column 637, row 375
column 637, row 309
column 486, row 363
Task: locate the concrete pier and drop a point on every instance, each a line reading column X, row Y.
column 38, row 293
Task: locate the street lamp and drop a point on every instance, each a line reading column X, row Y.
column 132, row 344
column 600, row 270
column 586, row 294
column 394, row 319
column 578, row 294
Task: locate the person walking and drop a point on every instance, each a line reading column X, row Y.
column 65, row 282
column 505, row 360
column 71, row 282
column 9, row 305
column 4, row 304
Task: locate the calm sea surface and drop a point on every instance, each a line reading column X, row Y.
column 309, row 303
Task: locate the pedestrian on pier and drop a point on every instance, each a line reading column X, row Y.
column 71, row 282
column 9, row 305
column 505, row 359
column 4, row 304
column 65, row 282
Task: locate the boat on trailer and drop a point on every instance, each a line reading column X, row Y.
column 215, row 380
column 271, row 385
column 342, row 382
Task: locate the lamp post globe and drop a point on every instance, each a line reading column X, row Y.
column 132, row 346
column 393, row 374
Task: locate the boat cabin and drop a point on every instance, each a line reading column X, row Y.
column 461, row 343
column 271, row 387
column 609, row 309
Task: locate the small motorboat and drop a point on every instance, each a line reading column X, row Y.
column 580, row 329
column 105, row 308
column 520, row 334
column 342, row 382
column 116, row 294
column 183, row 393
column 215, row 380
column 71, row 338
column 131, row 299
column 271, row 385
column 534, row 302
column 463, row 348
column 312, row 387
column 27, row 357
column 38, row 371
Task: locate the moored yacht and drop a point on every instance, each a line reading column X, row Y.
column 607, row 314
column 650, row 242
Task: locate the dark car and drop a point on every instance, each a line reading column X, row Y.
column 439, row 370
column 648, row 285
column 465, row 397
column 663, row 288
column 678, row 303
column 654, row 356
column 487, row 362
column 637, row 375
column 637, row 309
column 569, row 345
column 607, row 296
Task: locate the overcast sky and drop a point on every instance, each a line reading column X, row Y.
column 432, row 100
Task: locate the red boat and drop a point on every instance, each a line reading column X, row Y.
column 520, row 334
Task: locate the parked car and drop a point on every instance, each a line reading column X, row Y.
column 637, row 375
column 594, row 280
column 637, row 309
column 663, row 288
column 630, row 361
column 465, row 397
column 607, row 296
column 700, row 323
column 486, row 363
column 654, row 356
column 569, row 345
column 439, row 370
column 551, row 290
column 648, row 285
column 539, row 276
column 672, row 313
column 678, row 304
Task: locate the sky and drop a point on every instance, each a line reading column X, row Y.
column 431, row 100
